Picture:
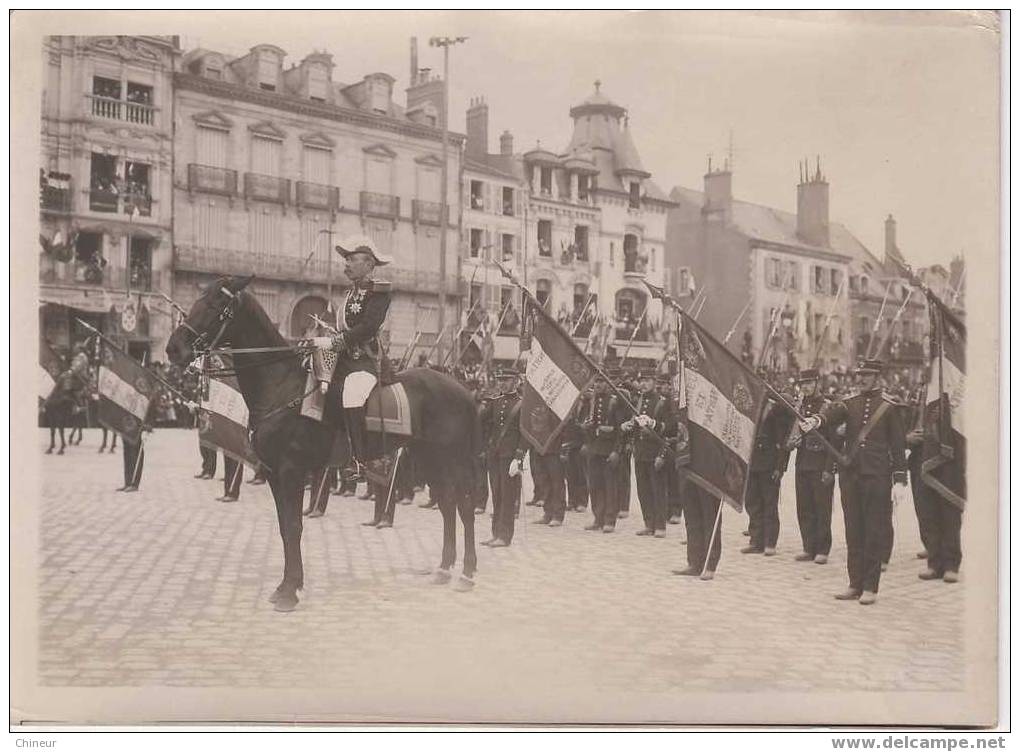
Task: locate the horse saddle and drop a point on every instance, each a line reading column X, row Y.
column 387, row 410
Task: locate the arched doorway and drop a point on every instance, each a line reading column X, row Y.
column 301, row 322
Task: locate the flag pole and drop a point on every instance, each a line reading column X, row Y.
column 703, row 301
column 456, row 339
column 736, row 321
column 138, row 459
column 892, row 324
column 580, row 317
column 828, row 321
column 388, row 508
column 633, row 334
column 878, row 321
column 406, row 357
column 715, row 531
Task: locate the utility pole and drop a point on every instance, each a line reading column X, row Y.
column 444, row 208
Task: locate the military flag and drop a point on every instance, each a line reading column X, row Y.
column 51, row 365
column 125, row 391
column 223, row 421
column 946, row 473
column 556, row 375
column 724, row 402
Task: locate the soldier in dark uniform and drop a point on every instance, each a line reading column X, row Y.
column 874, row 460
column 501, row 421
column 815, row 477
column 358, row 320
column 915, row 456
column 602, row 454
column 233, row 474
column 944, row 519
column 571, row 441
column 481, row 491
column 769, row 459
column 655, row 414
column 700, row 510
column 550, row 467
column 623, row 485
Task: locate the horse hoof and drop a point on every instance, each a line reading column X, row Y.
column 464, row 584
column 285, row 602
column 61, row 451
column 49, row 451
column 441, row 577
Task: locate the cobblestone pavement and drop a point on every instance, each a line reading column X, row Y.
column 169, row 587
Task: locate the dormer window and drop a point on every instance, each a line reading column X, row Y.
column 268, row 69
column 317, row 82
column 635, row 195
column 380, row 97
column 545, row 180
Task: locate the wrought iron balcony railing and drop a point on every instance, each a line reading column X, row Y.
column 318, row 196
column 380, row 205
column 427, row 212
column 206, row 179
column 266, row 188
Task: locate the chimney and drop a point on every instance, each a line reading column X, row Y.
column 718, row 192
column 506, row 144
column 890, row 236
column 813, row 205
column 477, row 129
column 413, row 78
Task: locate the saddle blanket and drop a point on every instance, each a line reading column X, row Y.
column 387, row 410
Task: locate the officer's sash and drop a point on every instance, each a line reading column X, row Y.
column 847, row 459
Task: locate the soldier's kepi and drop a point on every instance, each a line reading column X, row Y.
column 358, row 320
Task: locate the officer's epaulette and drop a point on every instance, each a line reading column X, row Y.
column 381, row 285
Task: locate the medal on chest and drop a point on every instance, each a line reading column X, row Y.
column 356, row 301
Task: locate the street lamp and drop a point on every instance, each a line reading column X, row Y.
column 444, row 210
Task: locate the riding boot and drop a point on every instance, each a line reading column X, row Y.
column 354, row 417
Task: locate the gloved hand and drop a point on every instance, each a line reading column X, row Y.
column 660, row 462
column 776, row 476
column 645, row 421
column 614, row 459
column 604, row 430
column 515, row 467
column 809, row 424
column 627, row 426
column 827, row 478
column 564, row 457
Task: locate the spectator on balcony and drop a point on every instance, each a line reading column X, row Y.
column 543, row 248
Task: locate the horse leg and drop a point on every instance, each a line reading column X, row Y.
column 53, row 440
column 464, row 490
column 448, row 508
column 288, row 492
column 62, row 442
column 113, row 442
column 103, row 445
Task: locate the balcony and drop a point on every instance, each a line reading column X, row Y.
column 55, row 199
column 427, row 212
column 109, row 201
column 205, row 179
column 116, row 109
column 318, row 196
column 92, row 275
column 104, row 200
column 380, row 205
column 266, row 188
column 138, row 203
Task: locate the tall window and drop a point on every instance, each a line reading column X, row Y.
column 105, row 87
column 211, row 224
column 543, row 292
column 508, row 202
column 268, row 68
column 140, row 263
column 544, row 237
column 265, row 232
column 581, row 242
column 476, row 242
column 316, row 164
column 635, row 195
column 836, row 279
column 477, row 200
column 772, row 272
column 429, row 184
column 377, row 175
column 313, row 240
column 545, row 180
column 211, row 147
column 265, row 155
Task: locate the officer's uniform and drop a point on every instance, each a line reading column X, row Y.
column 872, row 463
column 815, row 476
column 501, row 422
column 571, row 441
column 700, row 508
column 625, row 467
column 769, row 459
column 550, row 468
column 943, row 519
column 602, row 430
column 652, row 481
column 358, row 321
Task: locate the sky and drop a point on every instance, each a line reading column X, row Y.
column 901, row 109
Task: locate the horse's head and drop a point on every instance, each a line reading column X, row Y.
column 208, row 322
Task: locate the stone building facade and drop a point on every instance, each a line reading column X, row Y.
column 275, row 164
column 106, row 203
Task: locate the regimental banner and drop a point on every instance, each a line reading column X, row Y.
column 223, row 421
column 51, row 365
column 556, row 375
column 125, row 390
column 946, row 473
column 724, row 402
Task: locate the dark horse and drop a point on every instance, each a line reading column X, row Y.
column 60, row 409
column 290, row 445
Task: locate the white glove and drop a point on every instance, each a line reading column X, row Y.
column 645, row 421
column 323, row 343
column 515, row 468
column 810, row 424
column 899, row 494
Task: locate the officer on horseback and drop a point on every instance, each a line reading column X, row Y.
column 356, row 344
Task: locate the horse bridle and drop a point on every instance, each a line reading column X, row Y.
column 225, row 317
